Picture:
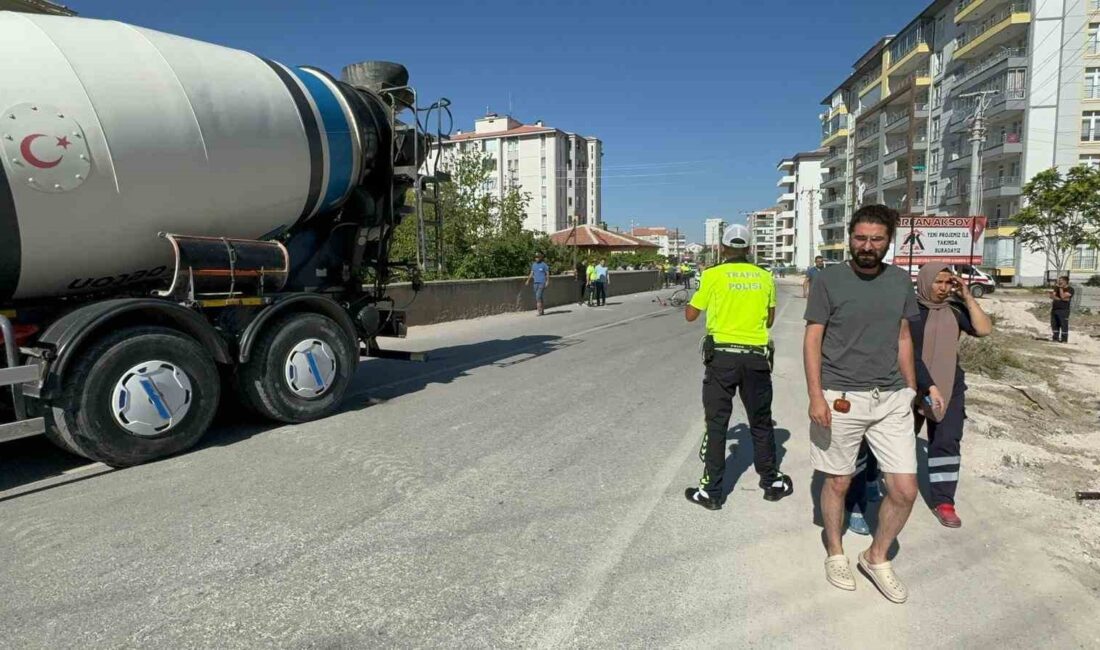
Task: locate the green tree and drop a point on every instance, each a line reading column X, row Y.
column 1061, row 213
column 483, row 235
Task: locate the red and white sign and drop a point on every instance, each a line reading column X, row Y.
column 952, row 240
column 44, row 147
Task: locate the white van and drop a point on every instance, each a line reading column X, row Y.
column 981, row 283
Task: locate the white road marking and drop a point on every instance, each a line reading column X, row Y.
column 84, row 468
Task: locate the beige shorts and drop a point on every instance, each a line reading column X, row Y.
column 886, row 422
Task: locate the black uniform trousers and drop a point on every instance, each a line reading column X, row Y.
column 944, row 449
column 725, row 375
column 1059, row 325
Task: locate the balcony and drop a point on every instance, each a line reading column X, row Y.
column 896, row 122
column 998, row 56
column 836, row 158
column 835, row 201
column 864, row 135
column 899, row 149
column 971, row 10
column 999, row 186
column 1002, row 26
column 830, row 139
column 911, row 60
column 786, row 180
column 867, row 162
column 894, row 180
column 956, row 194
column 870, row 82
column 786, row 197
column 1009, row 144
column 834, row 179
column 1010, row 100
column 916, row 205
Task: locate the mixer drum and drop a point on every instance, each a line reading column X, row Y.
column 112, row 133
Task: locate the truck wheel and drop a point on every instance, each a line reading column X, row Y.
column 977, row 291
column 138, row 394
column 299, row 369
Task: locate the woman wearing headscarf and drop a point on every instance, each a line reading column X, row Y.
column 947, row 309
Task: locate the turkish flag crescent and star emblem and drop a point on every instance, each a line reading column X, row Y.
column 44, row 148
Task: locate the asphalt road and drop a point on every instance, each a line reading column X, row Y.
column 523, row 488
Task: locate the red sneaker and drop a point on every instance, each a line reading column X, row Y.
column 945, row 512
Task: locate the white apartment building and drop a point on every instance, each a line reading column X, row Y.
column 560, row 171
column 897, row 129
column 712, row 231
column 800, row 215
column 765, row 226
column 668, row 241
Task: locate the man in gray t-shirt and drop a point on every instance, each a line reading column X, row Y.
column 862, row 316
column 861, row 379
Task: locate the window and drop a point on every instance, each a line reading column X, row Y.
column 1016, row 83
column 1090, row 159
column 513, row 145
column 934, row 193
column 1084, row 258
column 1090, row 126
column 934, row 165
column 1093, row 44
column 1092, row 83
column 935, row 129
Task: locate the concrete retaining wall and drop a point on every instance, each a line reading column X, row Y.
column 449, row 300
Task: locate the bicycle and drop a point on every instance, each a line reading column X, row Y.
column 678, row 299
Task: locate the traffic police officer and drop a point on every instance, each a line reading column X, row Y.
column 739, row 299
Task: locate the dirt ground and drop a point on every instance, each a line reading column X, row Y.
column 1034, row 427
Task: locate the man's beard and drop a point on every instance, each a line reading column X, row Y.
column 868, row 259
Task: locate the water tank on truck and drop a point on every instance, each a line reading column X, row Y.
column 186, row 211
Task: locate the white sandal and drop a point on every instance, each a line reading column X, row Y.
column 838, row 571
column 885, row 579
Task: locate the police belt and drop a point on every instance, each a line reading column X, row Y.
column 737, row 348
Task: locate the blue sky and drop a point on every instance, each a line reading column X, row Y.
column 695, row 101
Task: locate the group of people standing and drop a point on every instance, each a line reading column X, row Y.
column 881, row 362
column 592, row 279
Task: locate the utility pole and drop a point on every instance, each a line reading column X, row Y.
column 977, row 144
column 812, row 196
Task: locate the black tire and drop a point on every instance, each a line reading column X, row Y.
column 261, row 381
column 977, row 291
column 80, row 419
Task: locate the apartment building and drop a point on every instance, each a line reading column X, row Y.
column 766, row 226
column 897, row 129
column 800, row 202
column 560, row 171
column 668, row 241
column 712, row 231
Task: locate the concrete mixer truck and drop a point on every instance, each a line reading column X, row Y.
column 183, row 223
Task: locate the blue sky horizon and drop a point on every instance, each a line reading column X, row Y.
column 696, row 102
